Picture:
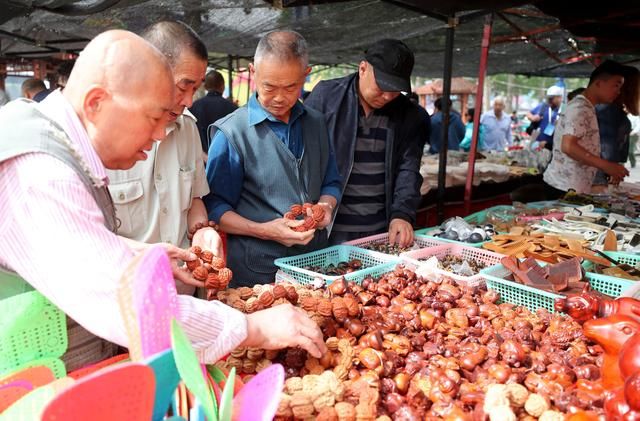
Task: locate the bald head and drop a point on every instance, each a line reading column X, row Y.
column 120, row 61
column 122, row 89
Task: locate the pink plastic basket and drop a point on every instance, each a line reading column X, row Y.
column 480, row 255
column 418, row 242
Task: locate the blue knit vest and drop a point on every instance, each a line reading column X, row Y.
column 273, row 180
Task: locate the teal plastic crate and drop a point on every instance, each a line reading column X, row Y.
column 630, row 259
column 424, row 234
column 533, row 299
column 294, row 266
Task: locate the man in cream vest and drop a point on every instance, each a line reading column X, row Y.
column 158, row 200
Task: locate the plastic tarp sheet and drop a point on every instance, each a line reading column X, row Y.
column 337, row 33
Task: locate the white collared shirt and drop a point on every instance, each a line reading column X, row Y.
column 153, row 198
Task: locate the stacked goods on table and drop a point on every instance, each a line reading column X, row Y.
column 609, row 234
column 405, row 347
column 624, row 266
column 582, row 227
column 559, row 277
column 537, row 284
column 584, row 199
column 624, row 203
column 522, row 242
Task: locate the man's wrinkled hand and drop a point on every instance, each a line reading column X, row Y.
column 284, row 326
column 279, row 230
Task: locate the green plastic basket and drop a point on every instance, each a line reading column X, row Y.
column 424, row 234
column 629, row 259
column 31, row 328
column 294, row 265
column 533, row 299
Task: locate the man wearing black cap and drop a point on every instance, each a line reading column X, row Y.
column 378, row 135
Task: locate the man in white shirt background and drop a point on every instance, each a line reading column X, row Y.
column 497, row 127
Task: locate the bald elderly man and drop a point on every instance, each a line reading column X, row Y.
column 497, row 127
column 56, row 216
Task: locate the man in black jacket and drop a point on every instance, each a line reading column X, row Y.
column 211, row 107
column 378, row 136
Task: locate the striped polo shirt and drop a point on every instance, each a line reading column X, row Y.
column 362, row 208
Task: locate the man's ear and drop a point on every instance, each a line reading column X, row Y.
column 94, row 101
column 362, row 67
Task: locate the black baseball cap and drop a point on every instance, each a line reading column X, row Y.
column 392, row 62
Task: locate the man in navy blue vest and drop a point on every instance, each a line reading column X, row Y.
column 266, row 156
column 378, row 135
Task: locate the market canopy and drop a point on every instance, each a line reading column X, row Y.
column 546, row 38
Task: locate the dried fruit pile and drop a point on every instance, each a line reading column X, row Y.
column 338, row 269
column 406, row 348
column 249, row 300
